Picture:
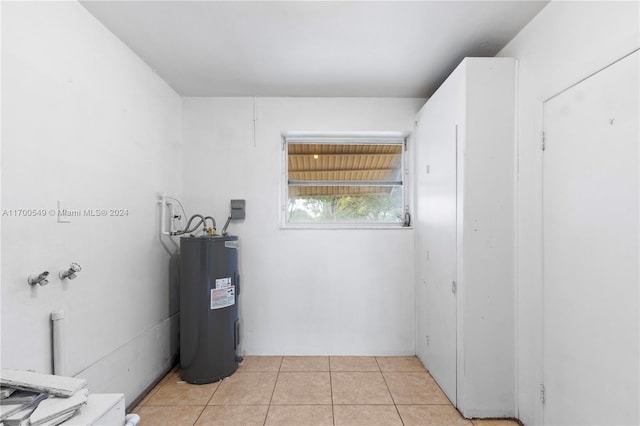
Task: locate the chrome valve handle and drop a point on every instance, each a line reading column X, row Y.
column 70, row 273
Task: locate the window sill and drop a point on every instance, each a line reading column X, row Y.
column 345, row 226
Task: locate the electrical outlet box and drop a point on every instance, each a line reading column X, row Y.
column 237, row 209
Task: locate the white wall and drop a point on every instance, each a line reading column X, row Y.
column 85, row 121
column 342, row 292
column 565, row 43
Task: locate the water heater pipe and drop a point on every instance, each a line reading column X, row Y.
column 57, row 324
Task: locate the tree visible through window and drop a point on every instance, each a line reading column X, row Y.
column 345, row 179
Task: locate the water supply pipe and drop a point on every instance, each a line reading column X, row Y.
column 131, row 420
column 58, row 343
column 163, row 218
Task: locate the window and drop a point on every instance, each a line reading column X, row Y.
column 345, row 179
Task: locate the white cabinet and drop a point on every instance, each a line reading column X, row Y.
column 465, row 168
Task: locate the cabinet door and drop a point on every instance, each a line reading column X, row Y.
column 436, row 133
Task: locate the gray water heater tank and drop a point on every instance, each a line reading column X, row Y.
column 209, row 290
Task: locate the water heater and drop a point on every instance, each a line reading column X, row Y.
column 209, row 290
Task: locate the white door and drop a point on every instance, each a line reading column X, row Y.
column 590, row 244
column 437, row 129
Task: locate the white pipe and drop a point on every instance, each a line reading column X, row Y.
column 131, row 420
column 163, row 218
column 57, row 323
column 164, row 204
column 171, row 215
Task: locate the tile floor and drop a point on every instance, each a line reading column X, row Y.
column 311, row 390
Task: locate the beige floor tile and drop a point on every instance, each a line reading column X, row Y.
column 170, row 375
column 414, row 388
column 353, row 363
column 494, row 422
column 431, row 415
column 302, row 388
column 169, row 415
column 305, row 363
column 174, row 391
column 238, row 415
column 400, row 363
column 366, row 415
column 359, row 388
column 245, row 388
column 300, row 415
column 301, row 391
column 260, row 363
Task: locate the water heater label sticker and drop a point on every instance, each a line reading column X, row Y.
column 223, row 282
column 223, row 297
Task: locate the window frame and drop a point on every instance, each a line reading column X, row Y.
column 346, row 138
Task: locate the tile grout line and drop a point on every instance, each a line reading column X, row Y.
column 333, row 416
column 214, row 392
column 395, row 405
column 208, row 401
column 273, row 391
column 199, row 415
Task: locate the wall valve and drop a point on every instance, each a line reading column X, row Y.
column 71, row 272
column 39, row 279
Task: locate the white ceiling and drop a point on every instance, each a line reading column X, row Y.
column 311, row 48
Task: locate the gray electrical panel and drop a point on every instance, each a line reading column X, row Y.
column 237, row 209
column 209, row 290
